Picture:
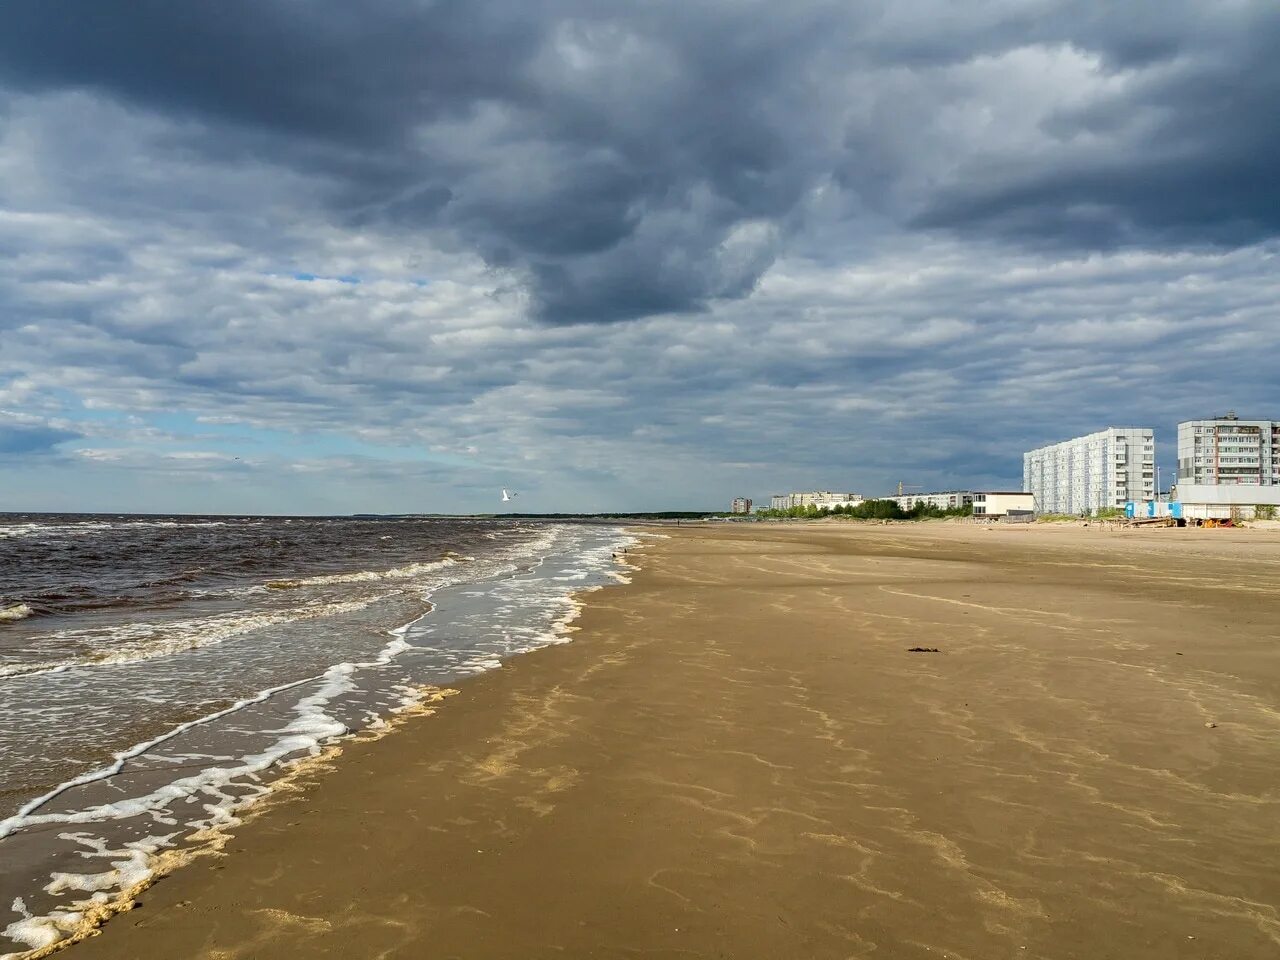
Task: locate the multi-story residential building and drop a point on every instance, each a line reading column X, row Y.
column 1102, row 470
column 947, row 500
column 741, row 505
column 1227, row 450
column 825, row 499
column 822, row 499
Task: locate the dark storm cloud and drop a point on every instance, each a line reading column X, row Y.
column 610, row 164
column 328, row 70
column 1183, row 155
column 628, row 160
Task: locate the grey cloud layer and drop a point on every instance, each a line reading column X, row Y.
column 934, row 363
column 918, row 237
column 626, row 160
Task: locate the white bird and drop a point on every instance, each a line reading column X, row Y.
column 508, row 496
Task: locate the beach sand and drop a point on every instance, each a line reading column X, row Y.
column 738, row 757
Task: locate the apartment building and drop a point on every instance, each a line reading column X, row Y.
column 741, row 505
column 947, row 500
column 822, row 499
column 1226, row 450
column 1102, row 470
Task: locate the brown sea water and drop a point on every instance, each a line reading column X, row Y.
column 158, row 673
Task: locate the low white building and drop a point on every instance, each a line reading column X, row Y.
column 1225, row 501
column 1003, row 503
column 947, row 500
column 822, row 499
column 825, row 500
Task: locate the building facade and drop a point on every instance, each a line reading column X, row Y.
column 947, row 500
column 822, row 499
column 1004, row 503
column 825, row 499
column 741, row 505
column 1102, row 470
column 1228, row 451
column 1228, row 501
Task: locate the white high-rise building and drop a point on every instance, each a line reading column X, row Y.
column 1227, row 450
column 1103, row 470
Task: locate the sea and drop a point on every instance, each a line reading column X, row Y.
column 158, row 674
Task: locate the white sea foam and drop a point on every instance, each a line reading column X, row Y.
column 26, row 813
column 305, row 733
column 18, row 530
column 130, row 866
column 169, row 524
column 217, row 793
column 14, row 612
column 15, row 531
column 11, row 670
column 311, row 728
column 11, row 531
column 38, row 932
column 367, row 576
column 134, row 642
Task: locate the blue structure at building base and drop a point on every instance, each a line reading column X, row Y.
column 1152, row 509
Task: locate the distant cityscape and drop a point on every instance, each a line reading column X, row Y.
column 1227, row 467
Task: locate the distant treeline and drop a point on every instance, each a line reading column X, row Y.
column 870, row 510
column 661, row 515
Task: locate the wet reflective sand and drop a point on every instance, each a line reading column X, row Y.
column 739, row 756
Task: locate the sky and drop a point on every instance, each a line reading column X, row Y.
column 274, row 256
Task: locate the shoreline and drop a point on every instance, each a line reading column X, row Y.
column 738, row 752
column 135, row 866
column 211, row 841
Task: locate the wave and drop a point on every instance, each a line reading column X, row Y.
column 82, row 597
column 15, row 612
column 225, row 791
column 166, row 524
column 17, row 530
column 235, row 782
column 313, row 725
column 14, row 531
column 368, row 576
column 135, row 642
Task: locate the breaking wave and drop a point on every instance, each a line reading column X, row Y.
column 18, row 611
column 368, row 576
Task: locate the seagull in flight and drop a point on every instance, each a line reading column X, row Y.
column 508, row 496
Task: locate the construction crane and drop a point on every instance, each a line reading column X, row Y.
column 907, row 486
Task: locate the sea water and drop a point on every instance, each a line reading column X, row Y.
column 159, row 674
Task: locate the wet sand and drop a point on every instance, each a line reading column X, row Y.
column 738, row 757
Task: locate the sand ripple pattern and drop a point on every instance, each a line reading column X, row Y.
column 743, row 759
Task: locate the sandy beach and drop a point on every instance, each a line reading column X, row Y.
column 739, row 756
